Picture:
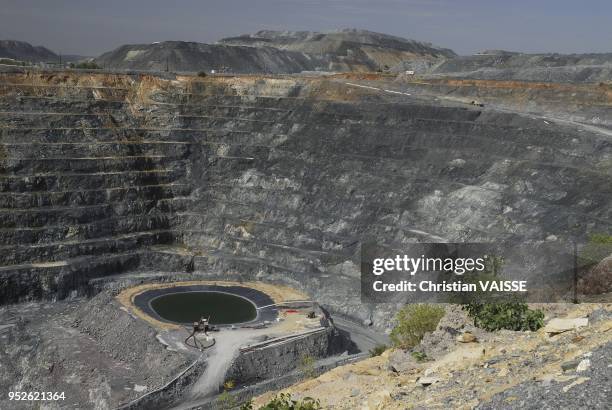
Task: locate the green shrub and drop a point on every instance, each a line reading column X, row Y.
column 283, row 402
column 600, row 238
column 377, row 350
column 595, row 250
column 202, row 74
column 248, row 405
column 413, row 322
column 307, row 366
column 10, row 61
column 504, row 315
column 419, row 356
column 226, row 401
column 86, row 65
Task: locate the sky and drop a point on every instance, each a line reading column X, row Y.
column 91, row 27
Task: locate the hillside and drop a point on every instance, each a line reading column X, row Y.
column 276, row 52
column 550, row 368
column 191, row 56
column 346, row 50
column 20, row 50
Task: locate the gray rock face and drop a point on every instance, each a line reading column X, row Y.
column 92, row 350
column 266, row 183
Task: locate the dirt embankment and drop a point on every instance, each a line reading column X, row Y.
column 587, row 102
column 600, row 93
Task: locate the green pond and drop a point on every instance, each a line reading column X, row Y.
column 189, row 307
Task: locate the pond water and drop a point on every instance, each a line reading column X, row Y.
column 189, row 307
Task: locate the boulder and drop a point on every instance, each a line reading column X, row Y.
column 583, row 365
column 556, row 326
column 427, row 380
column 598, row 280
column 401, row 361
column 467, row 337
column 570, row 365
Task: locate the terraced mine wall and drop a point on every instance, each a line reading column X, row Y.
column 557, row 68
column 262, row 178
column 86, row 182
column 587, row 102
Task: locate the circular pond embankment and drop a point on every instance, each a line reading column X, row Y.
column 224, row 305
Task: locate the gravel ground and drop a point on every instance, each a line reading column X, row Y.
column 594, row 393
column 91, row 350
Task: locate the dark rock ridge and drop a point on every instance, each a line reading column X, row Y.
column 22, row 51
column 191, row 56
column 258, row 178
column 276, row 52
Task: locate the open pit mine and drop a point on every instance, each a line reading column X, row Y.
column 165, row 238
